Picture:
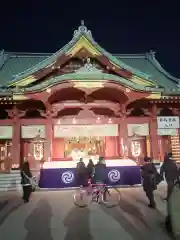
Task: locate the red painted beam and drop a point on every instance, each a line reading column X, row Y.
column 45, row 71
column 120, row 71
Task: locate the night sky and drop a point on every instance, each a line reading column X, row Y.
column 118, row 26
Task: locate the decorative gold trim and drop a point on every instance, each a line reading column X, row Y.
column 141, row 81
column 23, row 82
column 88, row 84
column 83, row 43
column 154, row 96
column 114, row 65
column 19, row 97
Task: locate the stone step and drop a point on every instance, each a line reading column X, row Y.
column 10, row 181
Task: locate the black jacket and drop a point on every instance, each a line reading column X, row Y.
column 25, row 174
column 100, row 172
column 90, row 169
column 169, row 168
column 149, row 172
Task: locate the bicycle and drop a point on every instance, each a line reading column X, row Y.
column 98, row 193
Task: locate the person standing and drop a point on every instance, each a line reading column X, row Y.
column 100, row 174
column 26, row 177
column 149, row 180
column 100, row 171
column 81, row 173
column 90, row 169
column 170, row 170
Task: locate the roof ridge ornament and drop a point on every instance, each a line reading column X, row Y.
column 152, row 52
column 88, row 68
column 82, row 29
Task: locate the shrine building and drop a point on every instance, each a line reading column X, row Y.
column 83, row 101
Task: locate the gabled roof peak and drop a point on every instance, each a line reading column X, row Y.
column 88, row 68
column 82, row 29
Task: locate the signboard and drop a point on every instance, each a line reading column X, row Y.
column 6, row 132
column 168, row 122
column 100, row 130
column 31, row 131
column 167, row 132
column 138, row 129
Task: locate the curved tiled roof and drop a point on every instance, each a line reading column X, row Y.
column 89, row 77
column 19, row 62
column 150, row 65
column 17, row 65
column 81, row 33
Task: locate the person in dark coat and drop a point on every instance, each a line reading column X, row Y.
column 26, row 176
column 170, row 170
column 149, row 180
column 100, row 175
column 81, row 173
column 100, row 171
column 90, row 169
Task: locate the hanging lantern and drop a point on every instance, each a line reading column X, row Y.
column 38, row 151
column 38, row 148
column 136, row 148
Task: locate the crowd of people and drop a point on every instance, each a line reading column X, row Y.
column 93, row 172
column 97, row 174
column 151, row 178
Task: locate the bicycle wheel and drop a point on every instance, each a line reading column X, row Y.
column 112, row 198
column 81, row 198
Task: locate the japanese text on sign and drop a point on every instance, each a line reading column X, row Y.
column 168, row 122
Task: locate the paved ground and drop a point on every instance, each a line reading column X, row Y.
column 52, row 216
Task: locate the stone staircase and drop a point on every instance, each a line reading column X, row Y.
column 10, row 181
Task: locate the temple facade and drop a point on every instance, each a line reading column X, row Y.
column 83, row 101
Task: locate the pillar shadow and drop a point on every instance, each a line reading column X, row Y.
column 170, row 235
column 125, row 223
column 8, row 207
column 77, row 224
column 38, row 223
column 3, row 204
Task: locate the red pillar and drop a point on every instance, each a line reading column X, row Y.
column 118, row 141
column 123, row 138
column 16, row 139
column 48, row 143
column 154, row 138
